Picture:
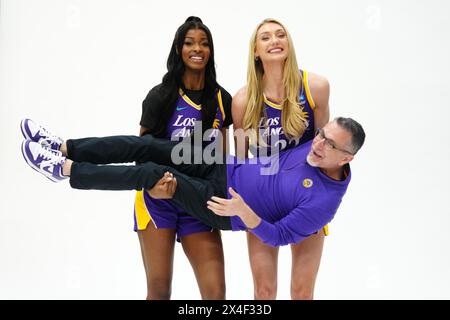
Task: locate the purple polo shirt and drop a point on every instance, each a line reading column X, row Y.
column 294, row 203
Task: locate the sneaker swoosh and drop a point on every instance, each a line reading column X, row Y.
column 181, row 108
column 48, row 169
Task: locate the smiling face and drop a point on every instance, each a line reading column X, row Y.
column 328, row 150
column 195, row 51
column 271, row 43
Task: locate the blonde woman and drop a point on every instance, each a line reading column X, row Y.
column 282, row 106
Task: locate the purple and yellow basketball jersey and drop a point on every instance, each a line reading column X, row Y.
column 162, row 212
column 270, row 127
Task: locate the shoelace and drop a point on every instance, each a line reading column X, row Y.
column 51, row 157
column 50, row 138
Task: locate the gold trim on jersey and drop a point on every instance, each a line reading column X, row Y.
column 271, row 104
column 189, row 101
column 307, row 91
column 219, row 98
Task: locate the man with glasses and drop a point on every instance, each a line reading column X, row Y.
column 283, row 208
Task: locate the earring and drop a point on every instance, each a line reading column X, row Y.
column 256, row 58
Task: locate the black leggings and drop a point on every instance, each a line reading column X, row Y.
column 196, row 183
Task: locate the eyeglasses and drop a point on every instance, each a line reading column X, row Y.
column 327, row 142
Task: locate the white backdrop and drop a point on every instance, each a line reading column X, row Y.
column 83, row 68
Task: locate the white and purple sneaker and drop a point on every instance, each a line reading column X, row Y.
column 38, row 133
column 44, row 160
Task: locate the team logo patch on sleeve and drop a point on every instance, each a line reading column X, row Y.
column 307, row 183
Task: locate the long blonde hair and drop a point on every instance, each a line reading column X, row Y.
column 292, row 119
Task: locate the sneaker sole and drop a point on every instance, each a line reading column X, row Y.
column 33, row 166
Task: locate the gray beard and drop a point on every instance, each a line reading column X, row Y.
column 310, row 161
